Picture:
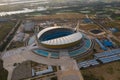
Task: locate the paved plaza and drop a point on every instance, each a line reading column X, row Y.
column 68, row 66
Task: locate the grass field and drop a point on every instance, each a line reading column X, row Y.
column 117, row 34
column 60, row 16
column 118, row 18
column 88, row 27
column 5, row 28
column 113, row 24
column 15, row 45
column 109, row 71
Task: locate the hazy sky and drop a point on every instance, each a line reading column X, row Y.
column 56, row 0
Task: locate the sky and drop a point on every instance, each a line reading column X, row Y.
column 57, row 0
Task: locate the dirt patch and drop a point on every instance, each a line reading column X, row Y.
column 109, row 71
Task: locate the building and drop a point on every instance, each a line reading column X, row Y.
column 28, row 26
column 19, row 37
column 53, row 39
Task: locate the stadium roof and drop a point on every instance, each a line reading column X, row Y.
column 61, row 40
column 46, row 29
column 64, row 40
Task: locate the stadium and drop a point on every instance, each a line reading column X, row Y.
column 59, row 38
column 52, row 40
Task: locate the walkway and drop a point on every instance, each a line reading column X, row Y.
column 23, row 54
column 69, row 69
